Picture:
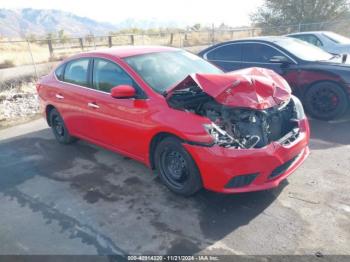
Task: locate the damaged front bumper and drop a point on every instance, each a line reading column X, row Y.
column 230, row 170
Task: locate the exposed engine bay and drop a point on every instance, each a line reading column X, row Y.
column 239, row 127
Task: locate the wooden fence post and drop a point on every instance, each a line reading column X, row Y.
column 212, row 34
column 81, row 44
column 49, row 43
column 93, row 38
column 171, row 38
column 132, row 39
column 33, row 62
column 109, row 41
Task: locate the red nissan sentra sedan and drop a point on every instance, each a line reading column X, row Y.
column 197, row 126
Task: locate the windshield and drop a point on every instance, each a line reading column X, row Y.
column 303, row 50
column 165, row 69
column 339, row 39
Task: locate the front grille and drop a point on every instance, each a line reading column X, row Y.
column 282, row 168
column 241, row 181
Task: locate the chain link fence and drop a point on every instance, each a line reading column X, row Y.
column 22, row 62
column 25, row 59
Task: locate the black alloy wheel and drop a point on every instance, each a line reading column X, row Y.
column 326, row 101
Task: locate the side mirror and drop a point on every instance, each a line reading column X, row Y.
column 123, row 91
column 279, row 60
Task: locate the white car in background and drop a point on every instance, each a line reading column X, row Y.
column 331, row 42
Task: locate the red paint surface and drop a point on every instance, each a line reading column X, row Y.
column 255, row 88
column 128, row 126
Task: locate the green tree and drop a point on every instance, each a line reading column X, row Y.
column 196, row 27
column 89, row 38
column 282, row 16
column 31, row 38
column 62, row 36
column 50, row 36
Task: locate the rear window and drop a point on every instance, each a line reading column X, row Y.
column 230, row 52
column 59, row 72
column 309, row 38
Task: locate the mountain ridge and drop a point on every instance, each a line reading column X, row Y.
column 26, row 21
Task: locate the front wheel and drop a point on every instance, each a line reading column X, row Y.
column 176, row 167
column 326, row 101
column 59, row 129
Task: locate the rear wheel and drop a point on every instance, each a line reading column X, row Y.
column 326, row 101
column 176, row 167
column 59, row 129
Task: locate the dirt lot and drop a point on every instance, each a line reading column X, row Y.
column 81, row 199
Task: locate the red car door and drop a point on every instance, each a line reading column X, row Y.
column 116, row 123
column 73, row 96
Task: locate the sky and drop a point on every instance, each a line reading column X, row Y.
column 231, row 12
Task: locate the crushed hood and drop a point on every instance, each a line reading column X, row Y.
column 255, row 88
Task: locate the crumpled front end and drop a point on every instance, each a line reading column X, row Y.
column 248, row 108
column 259, row 131
column 255, row 88
column 230, row 170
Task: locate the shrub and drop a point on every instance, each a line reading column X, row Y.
column 6, row 64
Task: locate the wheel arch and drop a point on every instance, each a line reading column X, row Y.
column 339, row 88
column 155, row 141
column 48, row 109
column 341, row 85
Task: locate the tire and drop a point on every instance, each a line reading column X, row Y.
column 326, row 101
column 176, row 168
column 59, row 129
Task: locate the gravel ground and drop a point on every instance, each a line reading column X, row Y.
column 18, row 104
column 82, row 199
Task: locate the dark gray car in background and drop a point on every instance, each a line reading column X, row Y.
column 321, row 80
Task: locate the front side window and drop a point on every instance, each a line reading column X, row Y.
column 230, row 52
column 76, row 72
column 259, row 53
column 107, row 75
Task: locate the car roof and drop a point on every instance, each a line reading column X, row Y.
column 309, row 32
column 269, row 39
column 126, row 51
column 274, row 40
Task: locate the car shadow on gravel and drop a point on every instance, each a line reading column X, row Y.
column 328, row 134
column 223, row 213
column 100, row 177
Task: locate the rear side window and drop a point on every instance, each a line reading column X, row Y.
column 59, row 72
column 259, row 53
column 76, row 72
column 230, row 52
column 107, row 75
column 310, row 39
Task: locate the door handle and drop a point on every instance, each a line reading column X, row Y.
column 58, row 96
column 93, row 105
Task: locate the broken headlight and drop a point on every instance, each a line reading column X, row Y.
column 298, row 108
